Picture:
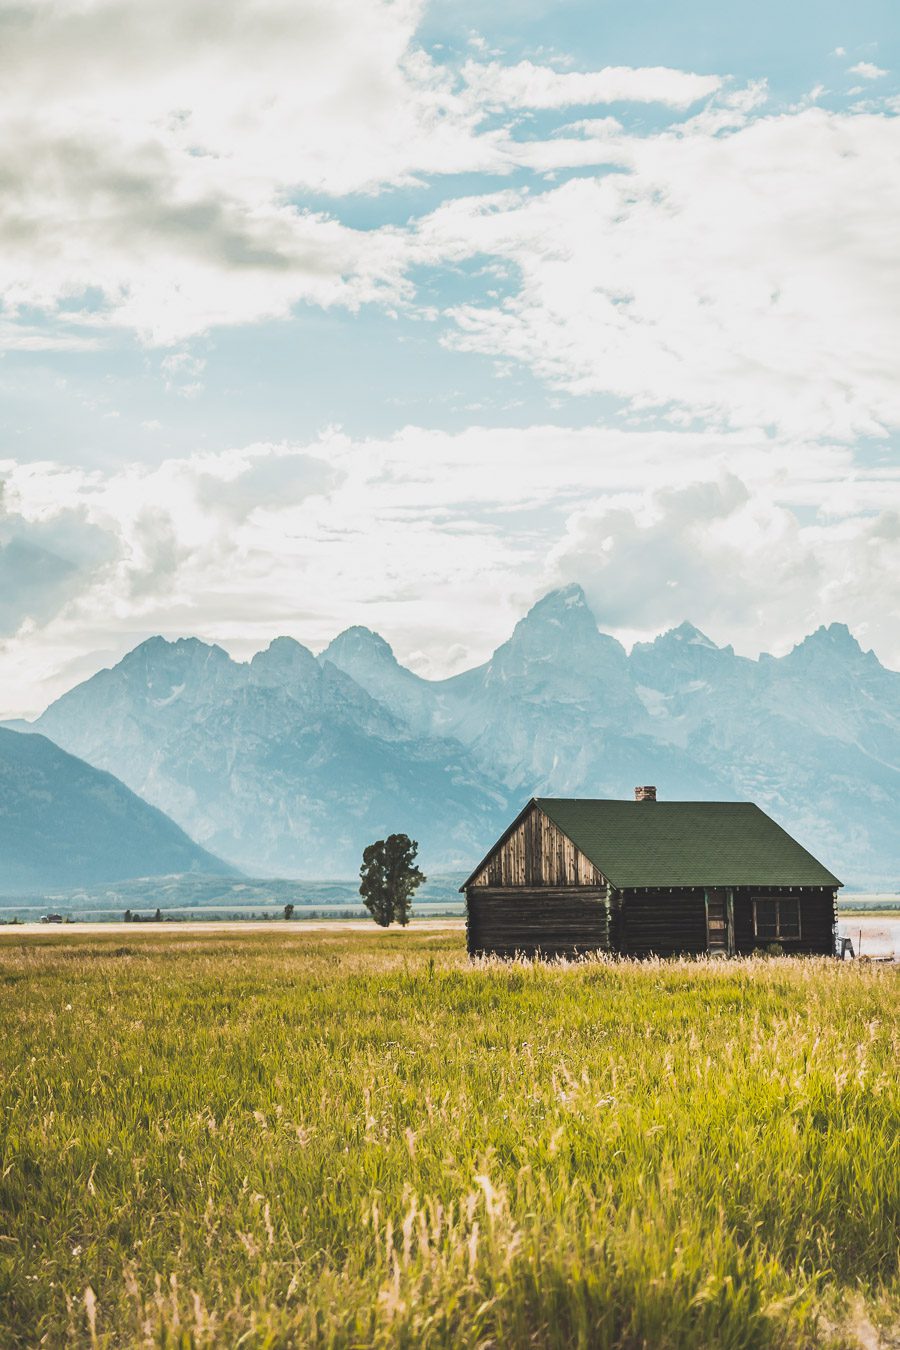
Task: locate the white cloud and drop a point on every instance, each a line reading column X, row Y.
column 526, row 85
column 738, row 563
column 153, row 156
column 150, row 153
column 440, row 540
column 868, row 70
column 323, row 93
column 748, row 279
column 18, row 335
column 169, row 251
column 45, row 561
column 181, row 372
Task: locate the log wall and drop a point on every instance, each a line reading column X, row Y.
column 539, row 921
column 662, row 923
column 818, row 916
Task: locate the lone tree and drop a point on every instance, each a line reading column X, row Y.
column 388, row 879
column 289, row 911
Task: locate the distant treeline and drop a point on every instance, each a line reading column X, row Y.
column 222, row 897
column 251, row 914
column 869, row 905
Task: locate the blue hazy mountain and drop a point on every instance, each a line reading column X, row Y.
column 561, row 709
column 285, row 765
column 290, row 763
column 65, row 824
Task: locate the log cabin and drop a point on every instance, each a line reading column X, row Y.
column 644, row 877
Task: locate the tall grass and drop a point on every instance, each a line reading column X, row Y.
column 335, row 1140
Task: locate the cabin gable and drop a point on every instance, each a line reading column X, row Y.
column 536, row 893
column 535, row 852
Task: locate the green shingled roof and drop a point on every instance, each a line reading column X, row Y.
column 662, row 844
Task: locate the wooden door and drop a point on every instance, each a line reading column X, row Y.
column 717, row 923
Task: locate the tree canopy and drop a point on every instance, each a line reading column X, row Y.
column 389, row 879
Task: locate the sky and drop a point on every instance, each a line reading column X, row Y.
column 325, row 312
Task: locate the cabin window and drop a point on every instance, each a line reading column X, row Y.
column 776, row 918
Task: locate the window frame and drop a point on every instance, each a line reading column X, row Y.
column 778, row 935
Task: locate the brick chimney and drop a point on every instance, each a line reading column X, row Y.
column 645, row 794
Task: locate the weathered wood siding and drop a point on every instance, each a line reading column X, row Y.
column 537, row 894
column 662, row 923
column 536, row 853
column 817, row 919
column 540, row 921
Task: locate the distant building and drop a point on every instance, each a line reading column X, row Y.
column 51, row 918
column 645, row 877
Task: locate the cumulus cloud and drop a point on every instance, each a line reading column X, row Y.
column 527, row 85
column 45, row 561
column 740, row 268
column 167, row 251
column 868, row 70
column 440, row 541
column 321, row 93
column 155, row 158
column 149, row 154
column 749, row 278
column 33, row 583
column 737, row 563
column 181, row 372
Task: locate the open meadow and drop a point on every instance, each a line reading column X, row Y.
column 339, row 1138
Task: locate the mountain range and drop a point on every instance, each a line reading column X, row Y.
column 290, row 763
column 64, row 823
column 285, row 764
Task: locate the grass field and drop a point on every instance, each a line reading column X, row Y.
column 331, row 1139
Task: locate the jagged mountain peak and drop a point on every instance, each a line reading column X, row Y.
column 364, row 658
column 158, row 645
column 284, row 659
column 181, row 661
column 557, row 652
column 685, row 635
column 567, row 603
column 836, row 634
column 157, row 673
column 688, row 633
column 829, row 642
column 283, row 644
column 562, row 611
column 571, row 595
column 359, row 644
